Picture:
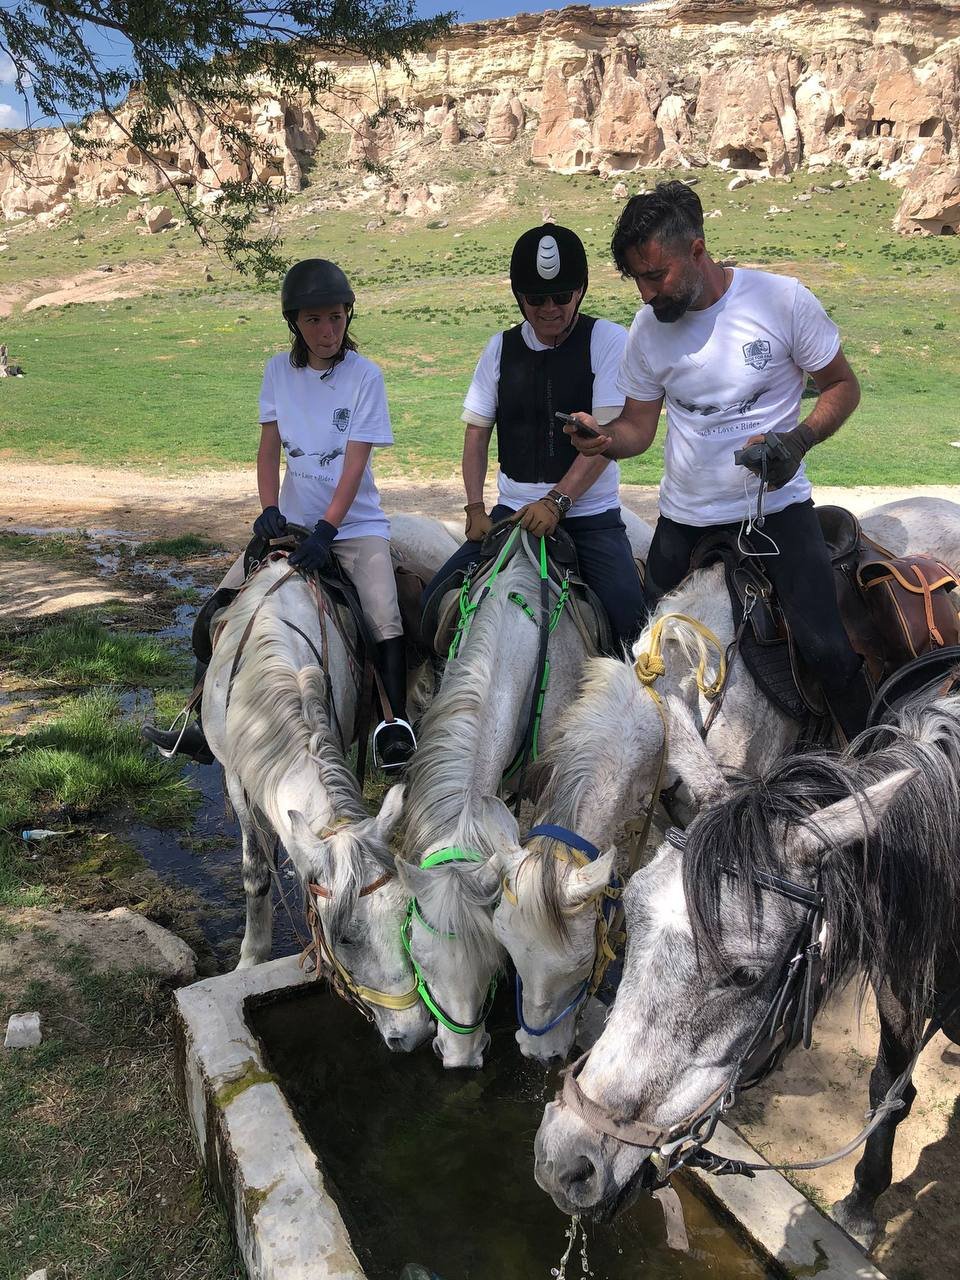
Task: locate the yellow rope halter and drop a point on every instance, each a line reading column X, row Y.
column 650, row 666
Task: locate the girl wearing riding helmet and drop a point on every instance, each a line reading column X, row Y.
column 325, row 406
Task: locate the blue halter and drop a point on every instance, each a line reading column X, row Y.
column 591, row 853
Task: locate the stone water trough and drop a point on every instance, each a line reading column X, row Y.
column 287, row 1221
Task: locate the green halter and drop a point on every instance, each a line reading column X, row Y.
column 437, row 859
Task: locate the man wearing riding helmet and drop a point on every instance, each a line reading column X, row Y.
column 325, row 407
column 557, row 359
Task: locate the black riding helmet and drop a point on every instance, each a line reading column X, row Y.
column 315, row 282
column 548, row 258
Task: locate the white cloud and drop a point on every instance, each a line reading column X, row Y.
column 10, row 117
column 8, row 72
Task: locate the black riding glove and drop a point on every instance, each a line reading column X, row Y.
column 777, row 457
column 314, row 551
column 270, row 523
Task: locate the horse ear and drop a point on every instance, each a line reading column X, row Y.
column 687, row 756
column 413, row 878
column 388, row 818
column 588, row 881
column 499, row 824
column 307, row 851
column 854, row 818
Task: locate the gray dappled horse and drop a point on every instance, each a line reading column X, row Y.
column 851, row 863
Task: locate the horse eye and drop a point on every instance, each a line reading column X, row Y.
column 741, row 977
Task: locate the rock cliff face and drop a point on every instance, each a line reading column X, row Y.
column 750, row 85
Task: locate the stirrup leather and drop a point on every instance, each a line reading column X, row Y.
column 388, row 724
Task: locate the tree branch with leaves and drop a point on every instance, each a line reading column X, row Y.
column 190, row 71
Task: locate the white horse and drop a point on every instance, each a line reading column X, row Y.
column 470, row 736
column 280, row 712
column 604, row 765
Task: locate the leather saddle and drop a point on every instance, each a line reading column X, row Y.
column 893, row 608
column 442, row 611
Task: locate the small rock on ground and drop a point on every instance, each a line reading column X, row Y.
column 23, row 1031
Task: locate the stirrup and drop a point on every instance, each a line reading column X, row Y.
column 389, row 724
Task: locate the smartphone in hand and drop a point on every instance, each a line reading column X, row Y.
column 578, row 426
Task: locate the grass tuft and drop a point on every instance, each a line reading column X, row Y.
column 181, row 548
column 85, row 761
column 82, row 651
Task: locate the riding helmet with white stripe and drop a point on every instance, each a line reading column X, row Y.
column 546, row 258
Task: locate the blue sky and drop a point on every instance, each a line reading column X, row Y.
column 11, row 107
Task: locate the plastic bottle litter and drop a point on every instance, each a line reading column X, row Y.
column 41, row 833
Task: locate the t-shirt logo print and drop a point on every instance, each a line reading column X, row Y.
column 758, row 353
column 341, row 419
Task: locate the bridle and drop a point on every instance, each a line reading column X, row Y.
column 580, row 853
column 787, row 1020
column 441, row 857
column 363, row 998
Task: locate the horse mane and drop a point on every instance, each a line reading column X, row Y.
column 348, row 855
column 439, row 796
column 892, row 899
column 454, row 900
column 279, row 719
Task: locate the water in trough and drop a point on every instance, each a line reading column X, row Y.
column 436, row 1167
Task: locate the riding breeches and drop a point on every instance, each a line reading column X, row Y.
column 606, row 566
column 800, row 571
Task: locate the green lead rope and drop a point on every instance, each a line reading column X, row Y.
column 467, row 607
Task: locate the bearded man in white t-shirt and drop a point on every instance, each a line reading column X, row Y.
column 727, row 352
column 557, row 360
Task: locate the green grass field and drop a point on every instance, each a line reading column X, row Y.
column 172, row 378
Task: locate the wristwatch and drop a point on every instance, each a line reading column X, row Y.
column 561, row 500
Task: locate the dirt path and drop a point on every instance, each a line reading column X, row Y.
column 222, row 504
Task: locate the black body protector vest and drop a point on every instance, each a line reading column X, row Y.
column 533, row 386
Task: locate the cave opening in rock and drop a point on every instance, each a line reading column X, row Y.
column 742, row 158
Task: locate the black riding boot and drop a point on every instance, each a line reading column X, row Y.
column 850, row 705
column 191, row 742
column 393, row 743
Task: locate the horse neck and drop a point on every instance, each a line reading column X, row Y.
column 606, row 757
column 469, row 735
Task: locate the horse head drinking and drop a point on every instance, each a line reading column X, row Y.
column 516, row 661
column 280, row 708
column 778, row 892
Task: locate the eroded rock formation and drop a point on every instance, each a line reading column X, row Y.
column 752, row 85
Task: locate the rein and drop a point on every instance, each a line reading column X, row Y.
column 441, row 857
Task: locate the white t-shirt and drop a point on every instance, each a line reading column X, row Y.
column 317, row 416
column 729, row 372
column 606, row 351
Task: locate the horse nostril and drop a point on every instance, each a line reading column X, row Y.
column 577, row 1175
column 437, row 1047
column 396, row 1044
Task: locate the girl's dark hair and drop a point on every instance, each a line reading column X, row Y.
column 300, row 355
column 671, row 212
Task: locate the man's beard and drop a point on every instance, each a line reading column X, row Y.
column 668, row 310
column 672, row 309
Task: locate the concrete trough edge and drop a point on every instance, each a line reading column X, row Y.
column 287, row 1223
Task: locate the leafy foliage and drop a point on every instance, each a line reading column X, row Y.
column 189, row 66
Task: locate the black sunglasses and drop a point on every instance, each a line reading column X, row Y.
column 541, row 299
